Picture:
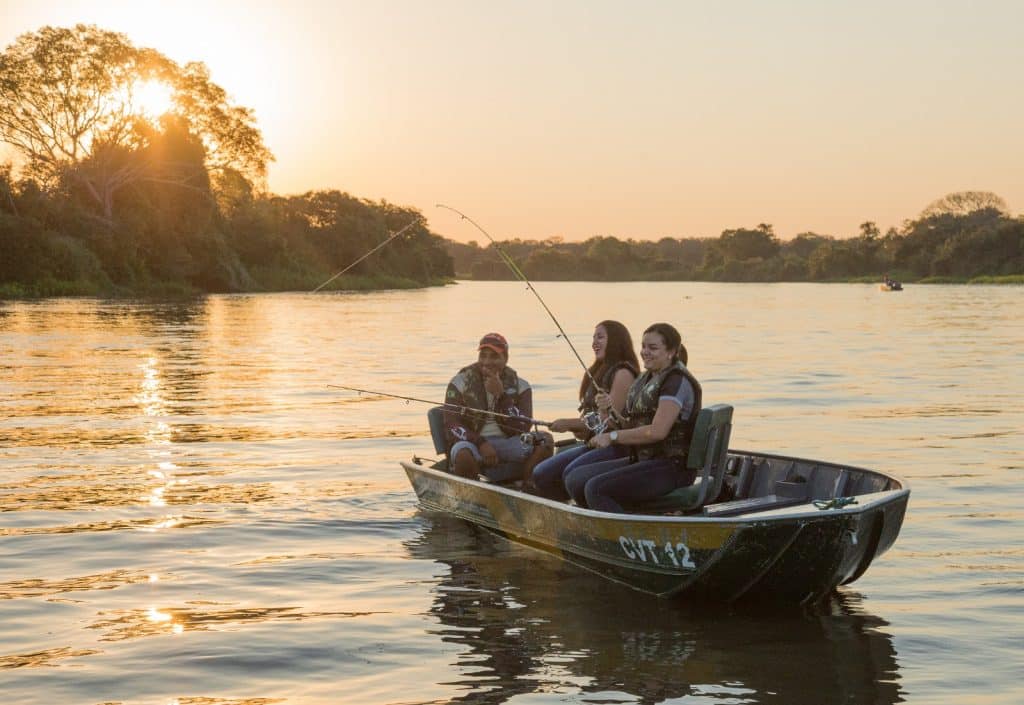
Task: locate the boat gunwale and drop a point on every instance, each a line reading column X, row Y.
column 797, row 512
column 842, row 466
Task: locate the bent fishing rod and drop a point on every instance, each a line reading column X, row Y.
column 393, row 236
column 461, row 409
column 612, row 413
column 507, row 259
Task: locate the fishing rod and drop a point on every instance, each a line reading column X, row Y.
column 457, row 407
column 393, row 236
column 612, row 413
column 519, row 273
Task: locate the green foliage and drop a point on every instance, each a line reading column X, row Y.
column 34, row 261
column 742, row 244
column 1008, row 279
column 112, row 200
column 173, row 241
column 301, row 241
column 945, row 243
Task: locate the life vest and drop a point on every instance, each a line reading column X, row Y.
column 642, row 404
column 588, row 403
column 470, row 382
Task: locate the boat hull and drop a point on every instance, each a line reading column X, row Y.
column 799, row 554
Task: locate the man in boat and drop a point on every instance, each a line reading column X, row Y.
column 487, row 409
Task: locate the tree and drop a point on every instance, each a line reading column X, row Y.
column 804, row 244
column 964, row 203
column 71, row 105
column 745, row 244
column 550, row 263
column 925, row 237
column 868, row 230
column 830, row 260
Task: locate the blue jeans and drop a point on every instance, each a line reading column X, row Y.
column 608, row 488
column 589, row 465
column 549, row 475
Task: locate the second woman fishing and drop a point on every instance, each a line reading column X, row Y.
column 614, row 368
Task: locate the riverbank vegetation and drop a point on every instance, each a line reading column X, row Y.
column 138, row 176
column 962, row 237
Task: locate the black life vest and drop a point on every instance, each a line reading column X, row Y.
column 588, row 403
column 642, row 404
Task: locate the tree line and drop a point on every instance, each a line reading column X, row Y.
column 963, row 236
column 110, row 198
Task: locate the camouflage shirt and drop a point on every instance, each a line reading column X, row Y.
column 466, row 405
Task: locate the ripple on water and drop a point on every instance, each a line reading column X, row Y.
column 47, row 658
column 189, row 514
column 40, row 587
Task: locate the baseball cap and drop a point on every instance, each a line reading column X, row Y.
column 494, row 341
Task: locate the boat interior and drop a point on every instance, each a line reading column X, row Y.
column 729, row 482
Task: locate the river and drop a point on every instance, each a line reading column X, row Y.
column 190, row 514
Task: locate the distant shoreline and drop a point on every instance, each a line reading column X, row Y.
column 1005, row 280
column 62, row 289
column 51, row 289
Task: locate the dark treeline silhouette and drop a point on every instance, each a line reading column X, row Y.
column 172, row 241
column 109, row 199
column 960, row 237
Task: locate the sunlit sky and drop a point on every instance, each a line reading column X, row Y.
column 633, row 119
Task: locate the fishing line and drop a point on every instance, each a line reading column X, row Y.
column 519, row 273
column 457, row 407
column 393, row 236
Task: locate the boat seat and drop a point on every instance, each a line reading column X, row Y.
column 709, row 448
column 501, row 473
column 752, row 505
column 787, row 494
column 435, row 419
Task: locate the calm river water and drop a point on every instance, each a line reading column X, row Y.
column 190, row 515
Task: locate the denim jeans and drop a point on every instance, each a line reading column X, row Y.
column 549, row 477
column 607, row 489
column 589, row 465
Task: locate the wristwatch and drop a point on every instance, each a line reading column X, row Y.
column 614, row 436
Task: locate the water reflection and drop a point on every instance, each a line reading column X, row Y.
column 226, row 701
column 119, row 625
column 39, row 587
column 149, row 524
column 138, row 437
column 47, row 657
column 530, row 624
column 127, row 487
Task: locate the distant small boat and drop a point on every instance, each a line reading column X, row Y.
column 890, row 285
column 786, row 529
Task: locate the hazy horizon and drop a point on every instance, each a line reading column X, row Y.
column 580, row 119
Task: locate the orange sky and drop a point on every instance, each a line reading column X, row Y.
column 641, row 119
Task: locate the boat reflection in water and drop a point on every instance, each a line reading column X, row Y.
column 530, row 623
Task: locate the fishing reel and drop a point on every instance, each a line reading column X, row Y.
column 594, row 423
column 532, row 439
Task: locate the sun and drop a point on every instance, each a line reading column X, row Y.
column 150, row 98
